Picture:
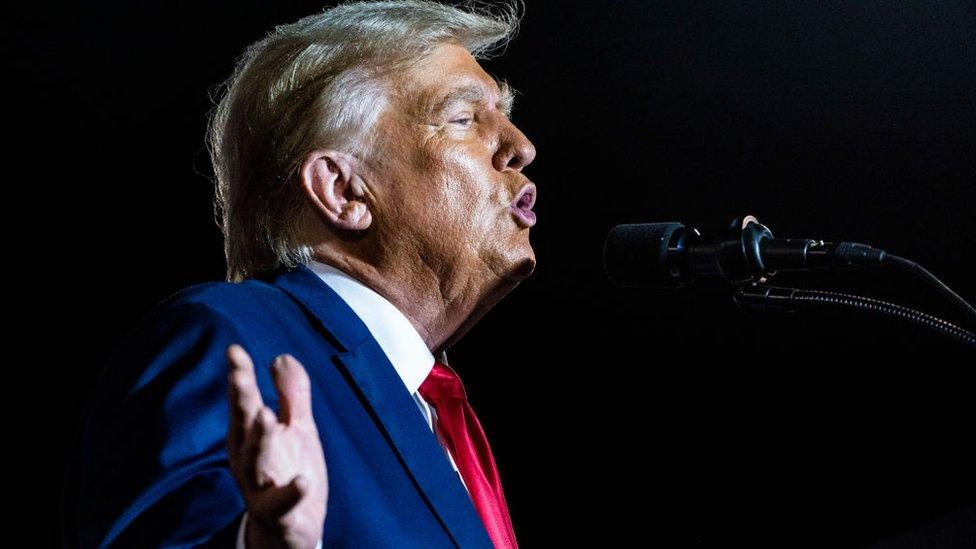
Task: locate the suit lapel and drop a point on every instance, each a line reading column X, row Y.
column 396, row 411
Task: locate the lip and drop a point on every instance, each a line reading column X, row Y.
column 521, row 207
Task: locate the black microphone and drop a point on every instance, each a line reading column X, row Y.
column 670, row 255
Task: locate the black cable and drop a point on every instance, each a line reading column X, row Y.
column 928, row 278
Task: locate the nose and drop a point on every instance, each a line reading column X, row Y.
column 515, row 152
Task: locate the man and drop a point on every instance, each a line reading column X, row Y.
column 374, row 209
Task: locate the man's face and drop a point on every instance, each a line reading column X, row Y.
column 449, row 169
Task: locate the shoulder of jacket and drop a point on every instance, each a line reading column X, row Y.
column 223, row 300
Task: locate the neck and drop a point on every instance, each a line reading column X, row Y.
column 441, row 301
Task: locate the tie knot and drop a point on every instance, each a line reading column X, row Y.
column 442, row 383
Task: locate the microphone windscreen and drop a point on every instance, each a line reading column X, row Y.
column 636, row 255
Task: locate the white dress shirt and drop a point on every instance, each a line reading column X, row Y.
column 398, row 338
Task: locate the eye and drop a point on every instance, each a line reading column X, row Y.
column 464, row 120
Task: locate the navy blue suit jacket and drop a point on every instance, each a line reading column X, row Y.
column 153, row 468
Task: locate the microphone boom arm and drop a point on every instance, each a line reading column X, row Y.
column 775, row 298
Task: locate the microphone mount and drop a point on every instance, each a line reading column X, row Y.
column 746, row 252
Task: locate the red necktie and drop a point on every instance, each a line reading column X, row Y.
column 466, row 440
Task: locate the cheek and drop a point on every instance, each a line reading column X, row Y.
column 468, row 183
column 456, row 194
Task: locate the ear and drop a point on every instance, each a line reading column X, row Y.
column 337, row 192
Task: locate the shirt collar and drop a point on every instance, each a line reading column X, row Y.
column 395, row 334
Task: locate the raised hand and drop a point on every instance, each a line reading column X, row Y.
column 277, row 459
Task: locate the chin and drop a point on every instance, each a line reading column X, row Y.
column 521, row 265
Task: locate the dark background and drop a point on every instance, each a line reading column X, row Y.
column 672, row 418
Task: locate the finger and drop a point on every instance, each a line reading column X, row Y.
column 294, row 389
column 243, row 395
column 276, row 501
column 257, row 443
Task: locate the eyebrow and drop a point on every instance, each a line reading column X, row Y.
column 476, row 94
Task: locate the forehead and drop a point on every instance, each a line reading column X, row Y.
column 448, row 75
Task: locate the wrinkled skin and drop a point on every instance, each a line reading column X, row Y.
column 425, row 222
column 430, row 212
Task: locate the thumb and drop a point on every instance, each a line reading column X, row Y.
column 275, row 502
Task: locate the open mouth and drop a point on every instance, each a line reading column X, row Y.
column 522, row 206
